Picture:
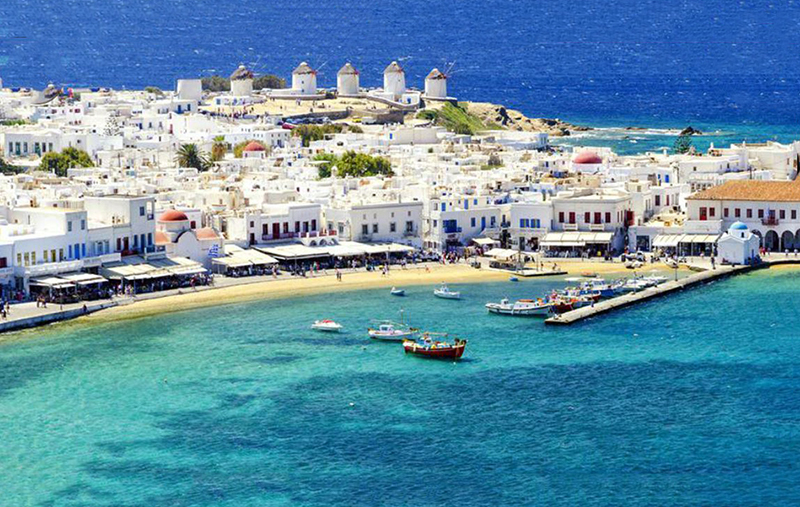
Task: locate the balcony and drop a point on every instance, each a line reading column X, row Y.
column 770, row 221
column 570, row 227
column 452, row 230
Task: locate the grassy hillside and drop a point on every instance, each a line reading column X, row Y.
column 456, row 118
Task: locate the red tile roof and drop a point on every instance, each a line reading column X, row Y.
column 749, row 190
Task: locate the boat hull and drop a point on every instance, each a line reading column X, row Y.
column 447, row 295
column 453, row 353
column 521, row 312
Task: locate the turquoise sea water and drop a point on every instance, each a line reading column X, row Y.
column 687, row 400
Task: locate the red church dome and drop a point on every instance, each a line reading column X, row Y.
column 587, row 157
column 254, row 146
column 173, row 215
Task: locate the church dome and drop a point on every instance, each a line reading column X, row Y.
column 173, row 215
column 587, row 157
column 738, row 226
column 254, row 146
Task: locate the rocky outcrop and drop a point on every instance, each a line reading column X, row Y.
column 511, row 119
column 690, row 131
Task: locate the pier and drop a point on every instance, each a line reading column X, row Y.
column 663, row 289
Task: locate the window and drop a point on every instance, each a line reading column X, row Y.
column 69, row 226
column 141, row 211
column 297, row 226
column 364, row 229
column 374, row 228
column 712, row 212
column 83, row 224
column 410, row 226
column 703, row 213
column 658, row 200
column 587, row 217
column 608, row 217
column 749, row 213
column 794, row 214
column 522, row 223
column 783, row 214
column 737, row 212
column 598, row 217
column 393, row 227
column 725, row 212
column 561, row 216
column 761, row 213
column 472, row 222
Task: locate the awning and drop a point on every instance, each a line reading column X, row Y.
column 84, row 278
column 700, row 238
column 48, row 281
column 501, row 253
column 484, row 241
column 295, row 252
column 383, row 248
column 572, row 239
column 667, row 240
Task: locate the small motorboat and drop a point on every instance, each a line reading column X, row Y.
column 426, row 346
column 390, row 332
column 397, row 292
column 327, row 326
column 445, row 293
column 513, row 279
column 521, row 307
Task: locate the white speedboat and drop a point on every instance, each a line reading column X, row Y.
column 522, row 307
column 445, row 293
column 397, row 292
column 327, row 326
column 391, row 332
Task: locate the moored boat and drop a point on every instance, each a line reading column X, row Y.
column 521, row 307
column 426, row 346
column 391, row 332
column 397, row 292
column 445, row 293
column 326, row 325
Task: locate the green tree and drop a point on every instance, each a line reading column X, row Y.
column 218, row 149
column 354, row 164
column 7, row 168
column 189, row 155
column 683, row 144
column 59, row 163
column 269, row 81
column 155, row 90
column 216, row 83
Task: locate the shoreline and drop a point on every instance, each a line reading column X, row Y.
column 452, row 274
column 248, row 290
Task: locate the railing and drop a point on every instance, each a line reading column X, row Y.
column 570, row 227
column 771, row 221
column 597, row 227
column 452, row 230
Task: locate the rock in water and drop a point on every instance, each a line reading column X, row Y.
column 690, row 131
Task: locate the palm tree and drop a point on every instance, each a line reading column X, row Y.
column 219, row 149
column 190, row 156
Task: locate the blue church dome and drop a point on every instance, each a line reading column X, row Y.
column 739, row 226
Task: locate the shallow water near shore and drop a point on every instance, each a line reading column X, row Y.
column 685, row 400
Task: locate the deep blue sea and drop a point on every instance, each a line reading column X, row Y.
column 729, row 67
column 689, row 400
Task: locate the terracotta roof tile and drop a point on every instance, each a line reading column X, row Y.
column 748, row 190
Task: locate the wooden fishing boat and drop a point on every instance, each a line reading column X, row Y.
column 427, row 347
